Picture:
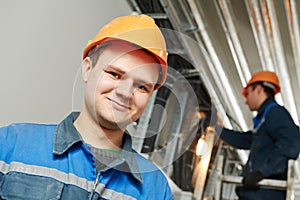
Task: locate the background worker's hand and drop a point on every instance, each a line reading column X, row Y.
column 251, row 179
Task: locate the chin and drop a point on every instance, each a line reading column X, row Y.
column 113, row 124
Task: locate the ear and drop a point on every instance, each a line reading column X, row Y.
column 86, row 68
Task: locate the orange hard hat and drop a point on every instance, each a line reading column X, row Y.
column 265, row 77
column 140, row 30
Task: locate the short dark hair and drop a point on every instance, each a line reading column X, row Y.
column 269, row 91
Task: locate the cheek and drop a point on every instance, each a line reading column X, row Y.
column 95, row 88
column 104, row 85
column 247, row 100
column 141, row 100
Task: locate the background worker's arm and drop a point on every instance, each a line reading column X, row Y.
column 240, row 140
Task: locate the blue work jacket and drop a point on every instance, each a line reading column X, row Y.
column 52, row 162
column 274, row 141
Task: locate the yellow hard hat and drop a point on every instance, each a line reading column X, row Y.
column 263, row 76
column 140, row 30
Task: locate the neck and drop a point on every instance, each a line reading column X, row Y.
column 96, row 135
column 263, row 100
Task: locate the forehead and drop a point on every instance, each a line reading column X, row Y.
column 129, row 58
column 119, row 47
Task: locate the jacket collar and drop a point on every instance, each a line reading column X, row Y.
column 66, row 135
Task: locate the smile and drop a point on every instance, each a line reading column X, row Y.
column 119, row 106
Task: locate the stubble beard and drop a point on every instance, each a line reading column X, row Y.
column 109, row 120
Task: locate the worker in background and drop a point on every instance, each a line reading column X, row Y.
column 89, row 154
column 274, row 139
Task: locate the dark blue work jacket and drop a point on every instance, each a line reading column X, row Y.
column 52, row 162
column 274, row 140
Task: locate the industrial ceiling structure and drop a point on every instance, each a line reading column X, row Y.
column 234, row 39
column 216, row 45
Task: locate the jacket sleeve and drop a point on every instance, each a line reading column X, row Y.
column 240, row 140
column 3, row 151
column 286, row 136
column 7, row 142
column 3, row 141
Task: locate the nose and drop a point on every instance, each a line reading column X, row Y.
column 124, row 88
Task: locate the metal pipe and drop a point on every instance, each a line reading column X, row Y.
column 279, row 58
column 259, row 33
column 217, row 71
column 294, row 30
column 233, row 41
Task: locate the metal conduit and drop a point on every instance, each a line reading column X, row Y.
column 217, row 71
column 234, row 41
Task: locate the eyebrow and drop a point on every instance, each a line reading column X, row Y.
column 115, row 68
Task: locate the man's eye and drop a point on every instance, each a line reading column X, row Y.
column 142, row 87
column 114, row 75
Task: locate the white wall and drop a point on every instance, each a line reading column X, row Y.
column 41, row 45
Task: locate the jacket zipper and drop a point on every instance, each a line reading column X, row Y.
column 94, row 186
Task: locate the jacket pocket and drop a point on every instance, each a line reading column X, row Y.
column 15, row 185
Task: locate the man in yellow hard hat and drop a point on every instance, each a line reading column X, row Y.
column 274, row 139
column 89, row 154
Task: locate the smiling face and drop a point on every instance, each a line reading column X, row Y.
column 119, row 85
